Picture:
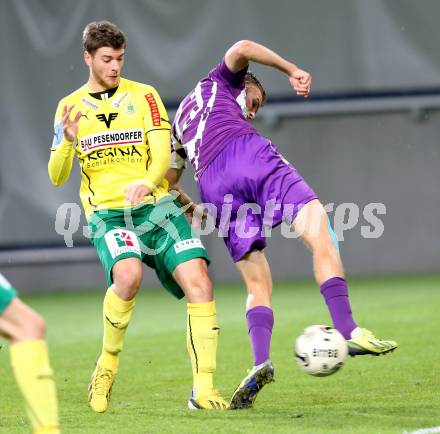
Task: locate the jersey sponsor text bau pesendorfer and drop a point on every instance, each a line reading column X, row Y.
column 123, row 138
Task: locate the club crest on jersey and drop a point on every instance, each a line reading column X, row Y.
column 107, row 121
column 154, row 109
column 120, row 241
column 130, row 108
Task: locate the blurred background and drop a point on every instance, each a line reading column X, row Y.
column 369, row 133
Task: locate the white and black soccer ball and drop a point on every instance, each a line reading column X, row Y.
column 320, row 350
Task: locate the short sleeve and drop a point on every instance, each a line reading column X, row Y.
column 233, row 79
column 156, row 117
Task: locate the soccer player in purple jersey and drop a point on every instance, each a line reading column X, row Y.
column 236, row 166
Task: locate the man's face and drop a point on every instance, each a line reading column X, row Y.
column 254, row 98
column 105, row 66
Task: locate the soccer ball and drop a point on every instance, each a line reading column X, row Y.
column 320, row 350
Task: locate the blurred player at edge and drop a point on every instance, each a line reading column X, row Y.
column 25, row 330
column 231, row 158
column 120, row 133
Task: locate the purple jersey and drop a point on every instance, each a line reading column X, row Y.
column 211, row 116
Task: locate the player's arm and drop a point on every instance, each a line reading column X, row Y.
column 177, row 166
column 173, row 176
column 243, row 52
column 195, row 213
column 158, row 129
column 62, row 150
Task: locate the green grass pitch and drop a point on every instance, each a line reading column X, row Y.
column 370, row 395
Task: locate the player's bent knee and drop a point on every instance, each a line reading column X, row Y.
column 31, row 327
column 200, row 288
column 39, row 326
column 194, row 280
column 311, row 222
column 127, row 280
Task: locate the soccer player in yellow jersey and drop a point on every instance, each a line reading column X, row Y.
column 120, row 133
column 25, row 330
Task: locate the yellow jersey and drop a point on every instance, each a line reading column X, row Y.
column 122, row 139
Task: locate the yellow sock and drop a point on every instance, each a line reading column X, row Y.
column 30, row 363
column 116, row 316
column 201, row 340
column 47, row 431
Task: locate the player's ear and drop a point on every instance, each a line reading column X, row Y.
column 87, row 58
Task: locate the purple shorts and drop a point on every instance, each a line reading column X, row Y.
column 248, row 187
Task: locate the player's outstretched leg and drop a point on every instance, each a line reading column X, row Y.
column 117, row 312
column 202, row 333
column 256, row 274
column 29, row 359
column 314, row 228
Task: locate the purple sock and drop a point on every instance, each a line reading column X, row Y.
column 260, row 324
column 335, row 293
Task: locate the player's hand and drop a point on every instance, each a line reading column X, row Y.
column 301, row 82
column 70, row 127
column 135, row 193
column 198, row 216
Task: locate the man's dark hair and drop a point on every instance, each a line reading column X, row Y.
column 99, row 34
column 251, row 78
